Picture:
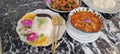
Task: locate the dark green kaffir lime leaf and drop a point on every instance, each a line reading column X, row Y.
column 20, row 29
column 58, row 8
column 71, row 2
column 24, row 34
column 66, row 6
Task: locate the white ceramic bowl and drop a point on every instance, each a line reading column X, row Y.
column 48, row 5
column 79, row 35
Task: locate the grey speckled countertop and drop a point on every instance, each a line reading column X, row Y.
column 12, row 10
column 0, row 46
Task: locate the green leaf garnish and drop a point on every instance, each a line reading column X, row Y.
column 24, row 34
column 29, row 27
column 66, row 6
column 39, row 36
column 41, row 22
column 71, row 2
column 20, row 29
column 57, row 8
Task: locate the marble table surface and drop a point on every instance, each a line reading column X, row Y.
column 0, row 46
column 12, row 10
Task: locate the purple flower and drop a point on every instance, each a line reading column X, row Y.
column 47, row 0
column 26, row 22
column 31, row 37
column 86, row 20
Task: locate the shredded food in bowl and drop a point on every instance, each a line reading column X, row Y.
column 64, row 5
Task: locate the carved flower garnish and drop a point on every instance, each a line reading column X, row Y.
column 47, row 0
column 86, row 20
column 26, row 22
column 32, row 37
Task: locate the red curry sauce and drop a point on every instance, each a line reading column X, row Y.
column 86, row 21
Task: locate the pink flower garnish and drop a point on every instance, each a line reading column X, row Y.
column 31, row 37
column 26, row 22
column 47, row 0
column 86, row 20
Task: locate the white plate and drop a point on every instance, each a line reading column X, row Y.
column 51, row 13
column 112, row 10
column 81, row 36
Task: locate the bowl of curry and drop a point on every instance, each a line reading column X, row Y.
column 63, row 6
column 86, row 20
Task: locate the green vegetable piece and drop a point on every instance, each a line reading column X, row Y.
column 71, row 2
column 42, row 35
column 66, row 6
column 21, row 29
column 41, row 22
column 39, row 36
column 57, row 8
column 28, row 27
column 24, row 34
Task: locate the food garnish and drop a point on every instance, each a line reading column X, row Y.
column 39, row 36
column 28, row 16
column 41, row 22
column 26, row 23
column 40, row 42
column 31, row 37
